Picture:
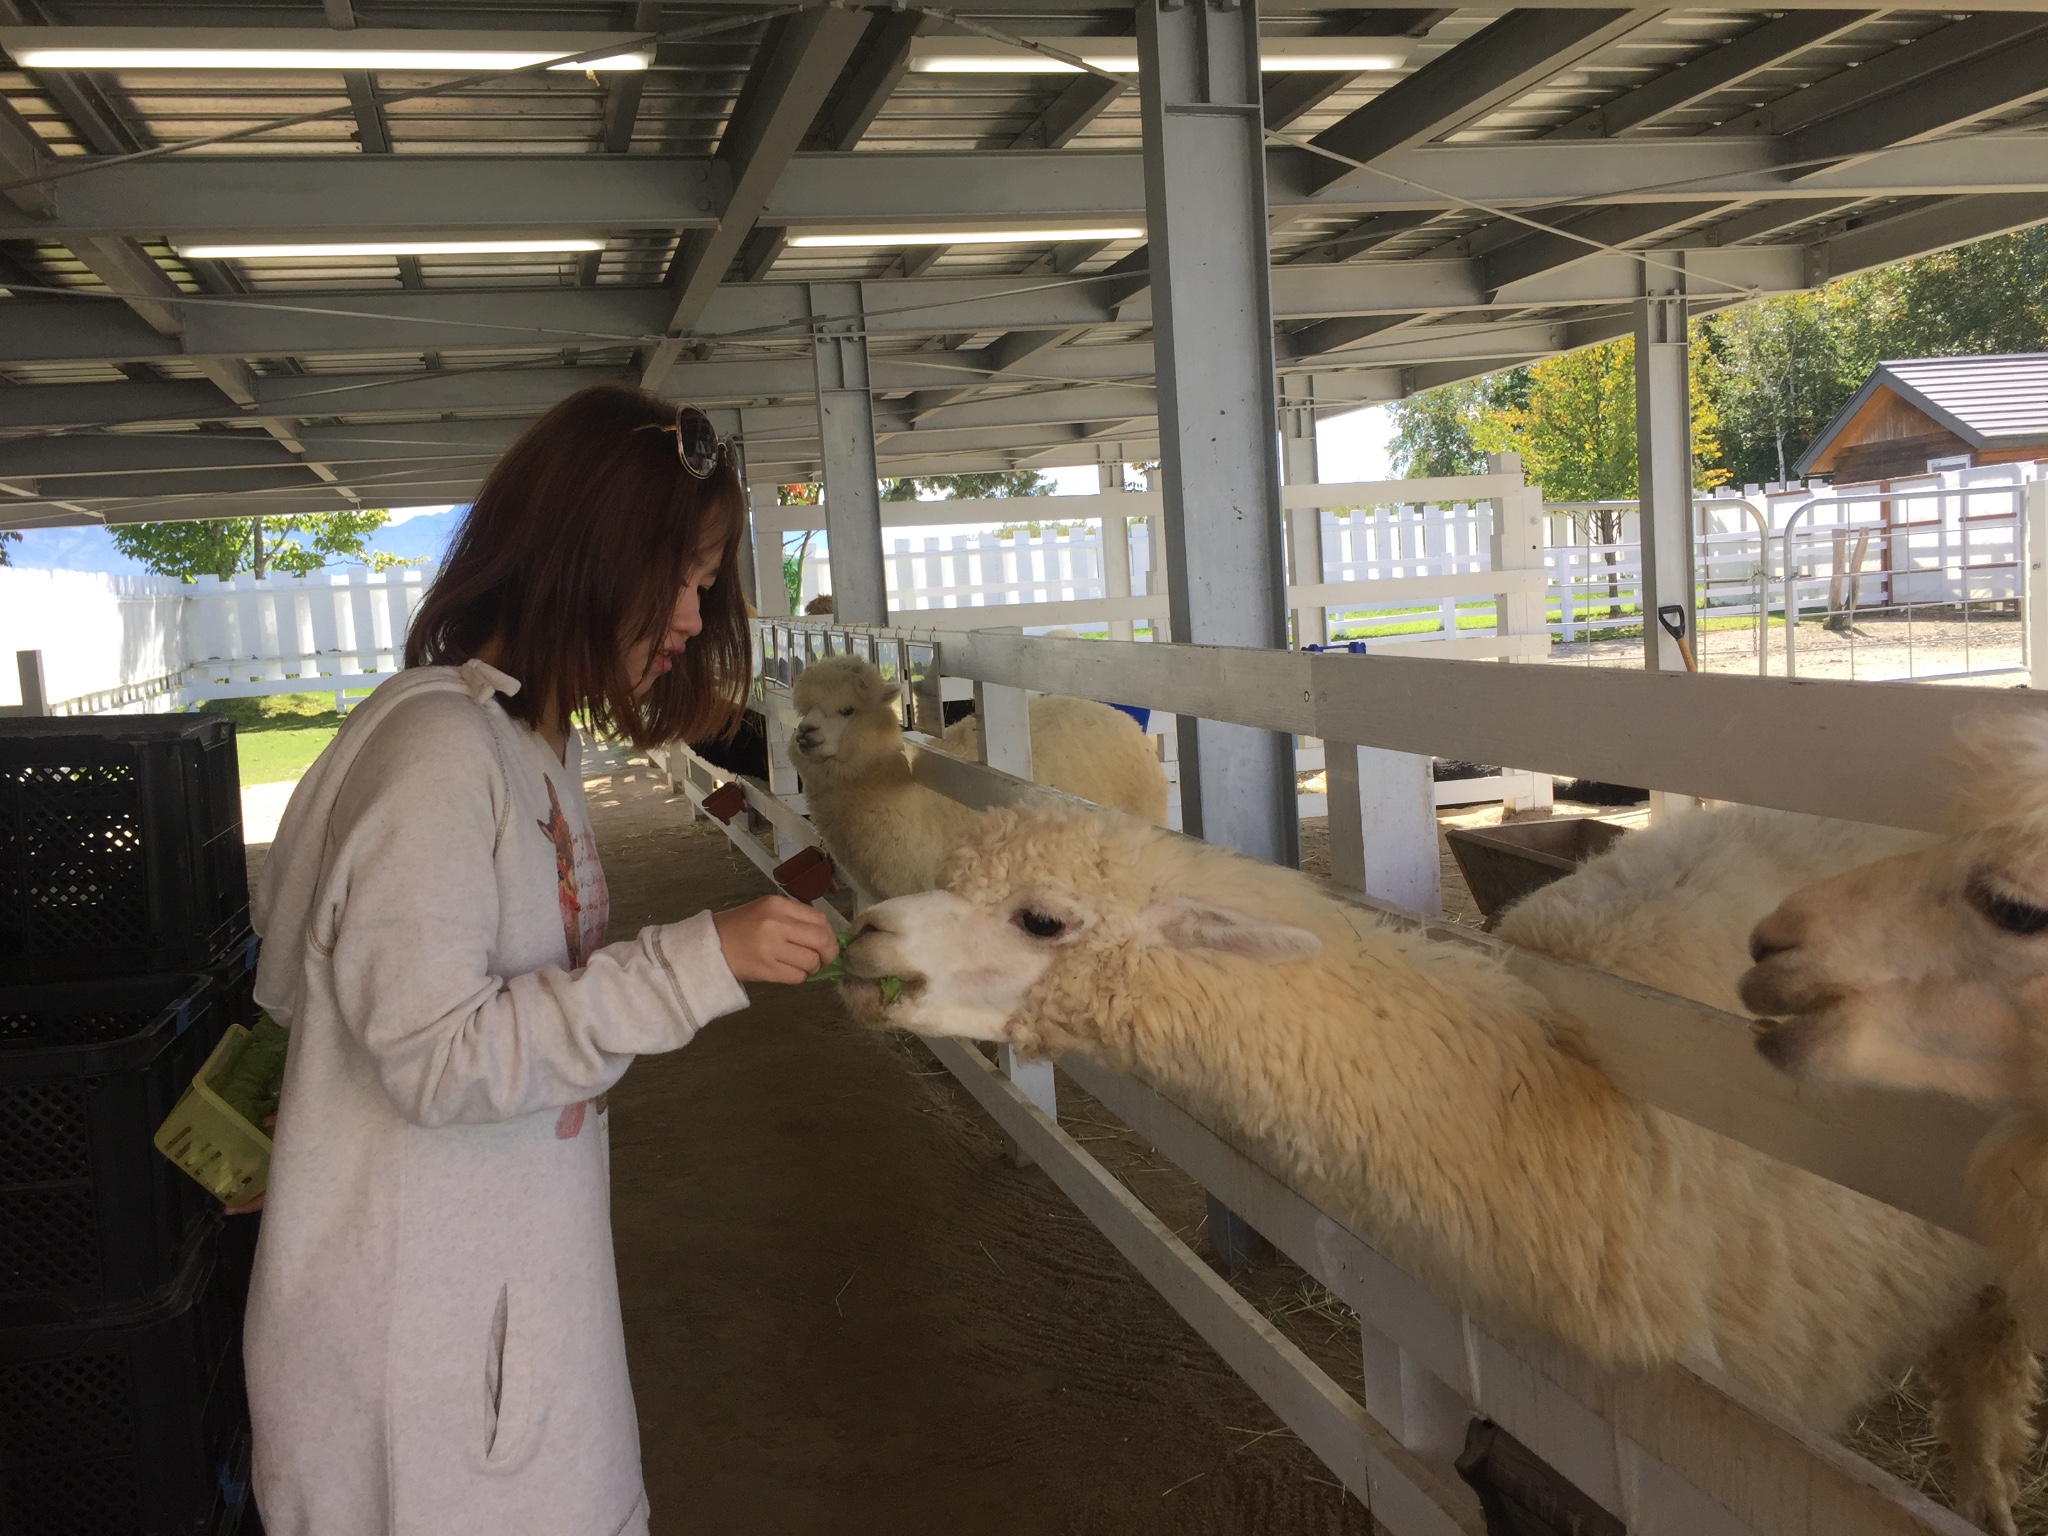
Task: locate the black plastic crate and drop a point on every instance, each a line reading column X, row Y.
column 136, row 1427
column 91, row 1214
column 120, row 845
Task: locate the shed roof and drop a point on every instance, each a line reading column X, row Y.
column 1987, row 401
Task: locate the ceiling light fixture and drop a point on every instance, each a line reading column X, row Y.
column 277, row 48
column 1119, row 55
column 246, row 251
column 896, row 237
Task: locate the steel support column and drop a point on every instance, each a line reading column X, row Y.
column 1205, row 209
column 846, row 451
column 771, row 591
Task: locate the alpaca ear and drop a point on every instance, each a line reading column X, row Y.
column 1182, row 924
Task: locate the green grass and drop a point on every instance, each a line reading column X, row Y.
column 277, row 738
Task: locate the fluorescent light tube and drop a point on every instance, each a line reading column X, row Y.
column 282, row 48
column 246, row 251
column 1277, row 55
column 364, row 59
column 896, row 237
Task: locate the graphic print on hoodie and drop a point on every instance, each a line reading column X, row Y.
column 586, row 909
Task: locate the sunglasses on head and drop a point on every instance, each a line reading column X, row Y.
column 698, row 444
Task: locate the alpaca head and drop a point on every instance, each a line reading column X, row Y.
column 848, row 719
column 1929, row 970
column 1036, row 907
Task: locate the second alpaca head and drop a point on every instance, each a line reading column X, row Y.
column 848, row 722
column 1928, row 970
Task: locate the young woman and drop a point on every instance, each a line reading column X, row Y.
column 433, row 1338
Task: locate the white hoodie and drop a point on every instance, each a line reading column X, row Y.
column 433, row 1339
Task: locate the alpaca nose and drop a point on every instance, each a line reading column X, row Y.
column 1775, row 935
column 1763, row 945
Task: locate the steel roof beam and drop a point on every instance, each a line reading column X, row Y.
column 1513, row 54
column 786, row 89
column 1768, row 218
column 1902, row 66
column 1934, row 227
column 2009, row 76
column 872, row 81
column 133, row 275
column 1714, row 70
column 1536, row 252
column 362, row 196
column 342, row 325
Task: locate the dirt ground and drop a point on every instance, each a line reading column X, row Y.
column 847, row 1312
column 1891, row 646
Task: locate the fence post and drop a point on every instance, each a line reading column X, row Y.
column 1516, row 544
column 1383, row 825
column 2034, row 599
column 1116, row 545
column 1006, row 744
column 35, row 697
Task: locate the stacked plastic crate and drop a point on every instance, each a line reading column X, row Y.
column 124, row 952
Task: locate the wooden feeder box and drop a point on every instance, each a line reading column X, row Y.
column 807, row 876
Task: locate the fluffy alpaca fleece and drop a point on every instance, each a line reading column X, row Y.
column 1673, row 907
column 891, row 832
column 1930, row 970
column 1084, row 749
column 1420, row 1093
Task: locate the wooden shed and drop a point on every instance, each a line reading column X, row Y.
column 1937, row 413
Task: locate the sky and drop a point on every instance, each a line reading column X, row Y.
column 1351, row 447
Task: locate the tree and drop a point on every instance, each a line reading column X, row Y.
column 1786, row 366
column 7, row 537
column 1437, row 432
column 225, row 547
column 1022, row 482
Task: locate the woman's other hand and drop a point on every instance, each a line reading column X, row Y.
column 775, row 939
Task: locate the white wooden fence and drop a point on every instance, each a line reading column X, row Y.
column 1684, row 1449
column 1401, row 565
column 127, row 643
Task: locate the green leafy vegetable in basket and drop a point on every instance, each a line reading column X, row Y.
column 254, row 1076
column 835, row 970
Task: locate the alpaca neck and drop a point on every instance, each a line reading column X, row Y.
column 1416, row 1094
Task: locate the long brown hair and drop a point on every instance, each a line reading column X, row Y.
column 575, row 549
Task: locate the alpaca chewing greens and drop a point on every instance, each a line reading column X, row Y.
column 835, row 970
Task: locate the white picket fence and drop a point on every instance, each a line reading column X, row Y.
column 144, row 643
column 1936, row 553
column 333, row 631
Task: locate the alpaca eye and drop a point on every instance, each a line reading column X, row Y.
column 2006, row 912
column 847, row 710
column 1040, row 925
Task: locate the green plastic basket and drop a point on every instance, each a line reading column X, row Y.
column 208, row 1138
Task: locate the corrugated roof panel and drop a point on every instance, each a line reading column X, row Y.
column 1996, row 397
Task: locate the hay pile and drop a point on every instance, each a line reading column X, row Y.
column 1896, row 1433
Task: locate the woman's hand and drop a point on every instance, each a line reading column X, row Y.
column 775, row 939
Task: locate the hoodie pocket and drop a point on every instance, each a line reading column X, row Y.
column 513, row 1407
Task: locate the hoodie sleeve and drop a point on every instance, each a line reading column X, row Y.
column 411, row 924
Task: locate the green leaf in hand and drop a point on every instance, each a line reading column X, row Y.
column 835, row 968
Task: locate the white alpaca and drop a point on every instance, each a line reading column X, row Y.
column 1930, row 970
column 1673, row 907
column 891, row 832
column 1420, row 1093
